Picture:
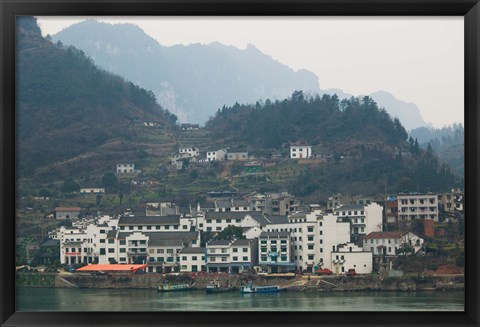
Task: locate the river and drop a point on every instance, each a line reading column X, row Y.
column 68, row 299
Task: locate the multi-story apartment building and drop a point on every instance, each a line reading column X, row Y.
column 274, row 252
column 312, row 237
column 231, row 256
column 364, row 219
column 417, row 206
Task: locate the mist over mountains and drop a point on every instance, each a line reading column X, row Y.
column 194, row 81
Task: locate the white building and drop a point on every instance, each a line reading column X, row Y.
column 350, row 256
column 364, row 219
column 92, row 190
column 192, row 259
column 216, row 155
column 237, row 155
column 191, row 151
column 231, row 256
column 300, row 151
column 274, row 252
column 125, row 168
column 417, row 206
column 392, row 243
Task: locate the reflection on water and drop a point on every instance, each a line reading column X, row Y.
column 38, row 299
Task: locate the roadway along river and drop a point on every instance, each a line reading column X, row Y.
column 56, row 299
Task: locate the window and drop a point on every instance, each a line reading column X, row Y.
column 224, row 259
column 184, row 267
column 102, row 241
column 111, row 241
column 224, row 250
column 184, row 258
column 245, row 258
column 169, row 250
column 123, row 250
column 194, row 257
column 310, row 246
column 140, row 227
column 236, row 250
column 102, row 251
column 310, row 257
column 310, row 229
column 235, row 258
column 245, row 250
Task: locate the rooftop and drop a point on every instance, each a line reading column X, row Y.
column 149, row 220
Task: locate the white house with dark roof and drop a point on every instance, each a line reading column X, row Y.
column 169, row 223
column 392, row 243
column 233, row 256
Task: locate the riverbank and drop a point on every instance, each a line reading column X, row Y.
column 292, row 283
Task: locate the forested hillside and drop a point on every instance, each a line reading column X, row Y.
column 67, row 107
column 366, row 151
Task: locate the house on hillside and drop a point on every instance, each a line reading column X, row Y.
column 189, row 127
column 125, row 168
column 67, row 212
column 237, row 155
column 92, row 190
column 216, row 155
column 300, row 151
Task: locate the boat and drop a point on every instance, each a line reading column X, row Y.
column 250, row 289
column 167, row 287
column 215, row 287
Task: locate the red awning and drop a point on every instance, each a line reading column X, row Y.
column 113, row 267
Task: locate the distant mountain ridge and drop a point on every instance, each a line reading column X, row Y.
column 192, row 81
column 195, row 80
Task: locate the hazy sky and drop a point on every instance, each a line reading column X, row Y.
column 417, row 59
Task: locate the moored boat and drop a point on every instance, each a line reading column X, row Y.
column 167, row 287
column 215, row 287
column 250, row 289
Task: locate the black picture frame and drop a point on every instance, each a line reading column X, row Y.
column 470, row 9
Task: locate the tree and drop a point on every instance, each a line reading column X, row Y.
column 109, row 181
column 120, row 196
column 69, row 186
column 230, row 233
column 417, row 227
column 98, row 199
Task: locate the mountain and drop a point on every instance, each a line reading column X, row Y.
column 72, row 114
column 447, row 142
column 408, row 113
column 192, row 81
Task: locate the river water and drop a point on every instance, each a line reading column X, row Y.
column 68, row 299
